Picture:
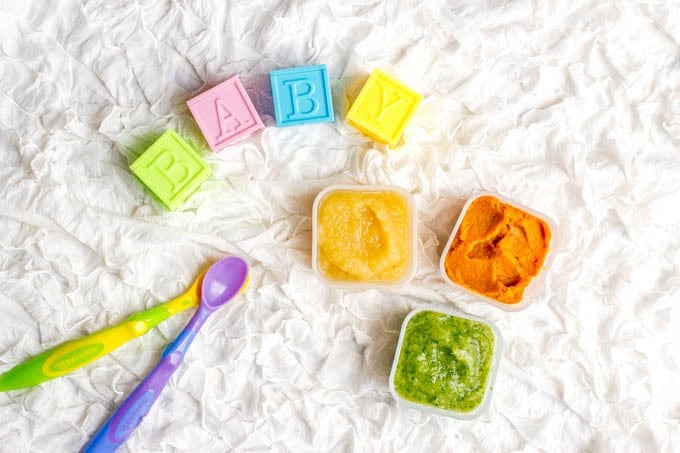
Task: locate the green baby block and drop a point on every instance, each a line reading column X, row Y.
column 171, row 169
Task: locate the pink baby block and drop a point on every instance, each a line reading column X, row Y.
column 225, row 114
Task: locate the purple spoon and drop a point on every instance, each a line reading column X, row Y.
column 224, row 280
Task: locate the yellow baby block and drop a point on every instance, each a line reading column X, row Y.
column 383, row 108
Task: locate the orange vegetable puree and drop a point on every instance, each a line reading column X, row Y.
column 363, row 236
column 498, row 250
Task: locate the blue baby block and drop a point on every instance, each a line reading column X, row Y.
column 302, row 95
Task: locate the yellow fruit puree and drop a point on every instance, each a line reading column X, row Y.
column 497, row 250
column 364, row 236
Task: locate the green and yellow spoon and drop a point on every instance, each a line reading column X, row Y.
column 70, row 356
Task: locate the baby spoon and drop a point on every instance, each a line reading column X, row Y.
column 68, row 357
column 221, row 283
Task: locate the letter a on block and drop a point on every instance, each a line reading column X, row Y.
column 387, row 99
column 176, row 173
column 224, row 116
column 301, row 90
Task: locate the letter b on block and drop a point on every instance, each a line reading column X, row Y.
column 171, row 169
column 302, row 95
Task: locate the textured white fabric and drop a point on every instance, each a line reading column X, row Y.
column 570, row 107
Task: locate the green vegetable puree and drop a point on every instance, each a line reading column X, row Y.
column 444, row 361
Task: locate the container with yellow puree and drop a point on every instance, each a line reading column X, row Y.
column 364, row 236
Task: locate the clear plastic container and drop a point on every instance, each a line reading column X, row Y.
column 412, row 246
column 490, row 383
column 536, row 285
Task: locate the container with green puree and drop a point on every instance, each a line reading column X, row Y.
column 445, row 363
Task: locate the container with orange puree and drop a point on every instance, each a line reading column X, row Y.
column 364, row 235
column 497, row 250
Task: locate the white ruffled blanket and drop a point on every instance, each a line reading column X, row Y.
column 572, row 108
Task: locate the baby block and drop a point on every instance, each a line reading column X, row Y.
column 225, row 114
column 302, row 95
column 383, row 108
column 171, row 169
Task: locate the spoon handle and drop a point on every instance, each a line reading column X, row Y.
column 122, row 423
column 72, row 355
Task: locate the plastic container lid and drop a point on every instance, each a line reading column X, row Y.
column 536, row 285
column 490, row 383
column 413, row 235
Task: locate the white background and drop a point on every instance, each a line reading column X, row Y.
column 569, row 107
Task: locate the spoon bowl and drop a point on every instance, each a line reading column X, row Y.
column 224, row 280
